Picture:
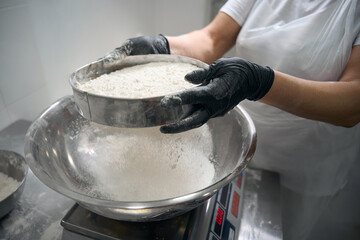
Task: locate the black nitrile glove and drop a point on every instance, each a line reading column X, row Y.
column 224, row 84
column 139, row 46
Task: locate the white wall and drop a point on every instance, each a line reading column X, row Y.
column 43, row 41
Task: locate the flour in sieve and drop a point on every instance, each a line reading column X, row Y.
column 141, row 81
column 8, row 185
column 145, row 165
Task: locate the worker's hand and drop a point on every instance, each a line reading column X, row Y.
column 138, row 46
column 224, row 84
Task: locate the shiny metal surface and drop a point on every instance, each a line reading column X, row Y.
column 13, row 165
column 54, row 158
column 261, row 206
column 123, row 112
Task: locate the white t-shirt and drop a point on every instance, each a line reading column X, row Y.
column 311, row 40
column 240, row 9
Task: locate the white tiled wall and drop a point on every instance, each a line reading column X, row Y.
column 178, row 17
column 4, row 118
column 43, row 41
column 20, row 70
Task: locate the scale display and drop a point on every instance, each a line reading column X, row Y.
column 226, row 220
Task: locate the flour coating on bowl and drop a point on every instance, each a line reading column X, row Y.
column 8, row 185
column 141, row 81
column 146, row 165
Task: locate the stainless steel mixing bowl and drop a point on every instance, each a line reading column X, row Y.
column 125, row 112
column 52, row 150
column 14, row 166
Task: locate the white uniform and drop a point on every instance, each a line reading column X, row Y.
column 311, row 40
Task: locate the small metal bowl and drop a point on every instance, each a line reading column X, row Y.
column 125, row 112
column 12, row 165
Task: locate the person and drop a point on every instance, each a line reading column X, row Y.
column 296, row 72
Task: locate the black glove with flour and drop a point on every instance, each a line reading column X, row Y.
column 223, row 85
column 138, row 46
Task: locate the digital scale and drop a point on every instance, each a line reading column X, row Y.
column 235, row 212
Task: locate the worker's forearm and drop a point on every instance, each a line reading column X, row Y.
column 333, row 102
column 209, row 43
column 196, row 44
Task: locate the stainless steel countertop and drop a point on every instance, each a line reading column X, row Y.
column 38, row 213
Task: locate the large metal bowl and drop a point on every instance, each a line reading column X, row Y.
column 52, row 152
column 125, row 112
column 14, row 166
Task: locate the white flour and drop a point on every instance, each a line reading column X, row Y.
column 7, row 185
column 141, row 81
column 144, row 164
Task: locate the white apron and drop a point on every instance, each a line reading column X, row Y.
column 311, row 157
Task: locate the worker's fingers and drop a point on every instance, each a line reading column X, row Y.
column 118, row 54
column 196, row 95
column 198, row 76
column 197, row 119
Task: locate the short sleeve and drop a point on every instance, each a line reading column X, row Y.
column 238, row 9
column 357, row 40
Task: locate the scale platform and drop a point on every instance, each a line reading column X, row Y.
column 247, row 208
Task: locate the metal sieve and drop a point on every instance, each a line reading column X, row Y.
column 125, row 112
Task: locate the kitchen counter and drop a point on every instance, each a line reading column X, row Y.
column 38, row 213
